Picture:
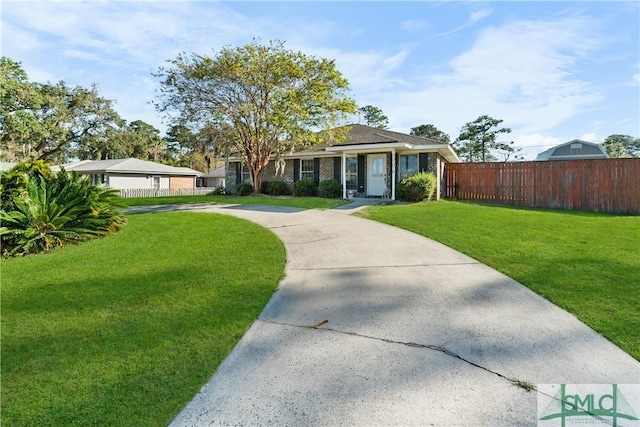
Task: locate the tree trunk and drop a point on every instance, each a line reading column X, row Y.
column 256, row 181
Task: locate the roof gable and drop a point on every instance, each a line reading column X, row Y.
column 569, row 150
column 362, row 134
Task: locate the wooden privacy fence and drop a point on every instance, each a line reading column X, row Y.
column 150, row 192
column 604, row 185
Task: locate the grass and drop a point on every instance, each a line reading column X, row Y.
column 294, row 202
column 587, row 263
column 125, row 330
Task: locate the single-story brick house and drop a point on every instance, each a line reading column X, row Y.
column 363, row 163
column 125, row 174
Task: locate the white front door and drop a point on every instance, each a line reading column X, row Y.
column 377, row 174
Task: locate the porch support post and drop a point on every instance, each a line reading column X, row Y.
column 344, row 175
column 393, row 174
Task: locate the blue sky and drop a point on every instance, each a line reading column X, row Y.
column 553, row 71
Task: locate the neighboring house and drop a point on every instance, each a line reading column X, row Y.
column 574, row 150
column 213, row 178
column 369, row 163
column 134, row 174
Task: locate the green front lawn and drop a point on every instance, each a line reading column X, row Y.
column 587, row 263
column 294, row 202
column 125, row 330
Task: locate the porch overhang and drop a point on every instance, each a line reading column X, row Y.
column 368, row 148
column 398, row 147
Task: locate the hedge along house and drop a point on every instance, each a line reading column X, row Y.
column 364, row 163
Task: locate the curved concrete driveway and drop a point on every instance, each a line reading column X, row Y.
column 410, row 333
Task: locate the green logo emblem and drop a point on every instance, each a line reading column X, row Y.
column 588, row 404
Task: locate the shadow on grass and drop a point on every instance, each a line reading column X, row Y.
column 571, row 212
column 128, row 345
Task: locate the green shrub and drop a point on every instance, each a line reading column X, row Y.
column 330, row 189
column 305, row 188
column 418, row 187
column 55, row 210
column 275, row 188
column 243, row 189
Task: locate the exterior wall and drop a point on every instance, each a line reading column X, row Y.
column 131, row 181
column 584, row 150
column 269, row 173
column 181, row 182
column 230, row 176
column 433, row 162
column 213, row 182
column 326, row 168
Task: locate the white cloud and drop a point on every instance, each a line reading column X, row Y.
column 479, row 15
column 521, row 72
column 533, row 144
column 590, row 137
column 474, row 17
column 536, row 140
column 370, row 74
column 412, row 25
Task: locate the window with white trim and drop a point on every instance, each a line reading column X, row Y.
column 351, row 173
column 245, row 175
column 408, row 165
column 306, row 169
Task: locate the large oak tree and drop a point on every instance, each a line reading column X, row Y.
column 272, row 99
column 46, row 121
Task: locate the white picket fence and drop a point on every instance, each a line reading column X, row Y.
column 149, row 192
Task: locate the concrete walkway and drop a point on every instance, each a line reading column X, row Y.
column 408, row 332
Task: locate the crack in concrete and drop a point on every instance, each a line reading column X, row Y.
column 319, row 326
column 306, row 242
column 274, row 227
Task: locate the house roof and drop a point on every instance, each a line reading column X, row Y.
column 566, row 151
column 218, row 172
column 361, row 134
column 367, row 139
column 361, row 138
column 128, row 166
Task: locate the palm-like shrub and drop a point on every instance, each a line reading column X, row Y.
column 13, row 181
column 52, row 211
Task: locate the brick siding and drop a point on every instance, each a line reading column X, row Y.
column 181, row 182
